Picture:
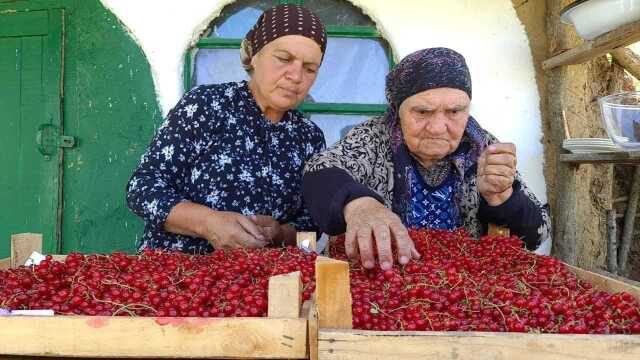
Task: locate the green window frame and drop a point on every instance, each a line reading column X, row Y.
column 335, row 31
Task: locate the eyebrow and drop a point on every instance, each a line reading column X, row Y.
column 457, row 107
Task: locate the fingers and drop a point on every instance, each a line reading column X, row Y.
column 382, row 234
column 404, row 244
column 350, row 243
column 499, row 148
column 498, row 170
column 365, row 246
column 255, row 236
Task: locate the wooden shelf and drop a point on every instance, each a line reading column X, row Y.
column 622, row 36
column 629, row 158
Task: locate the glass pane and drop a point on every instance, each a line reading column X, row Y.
column 337, row 12
column 353, row 71
column 335, row 127
column 237, row 18
column 216, row 66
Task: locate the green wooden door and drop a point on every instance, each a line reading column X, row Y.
column 30, row 99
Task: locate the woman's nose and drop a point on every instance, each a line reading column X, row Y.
column 294, row 73
column 437, row 124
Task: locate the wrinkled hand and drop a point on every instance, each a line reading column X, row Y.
column 230, row 230
column 496, row 173
column 275, row 232
column 366, row 217
column 269, row 226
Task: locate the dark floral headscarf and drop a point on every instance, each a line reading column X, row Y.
column 279, row 21
column 420, row 71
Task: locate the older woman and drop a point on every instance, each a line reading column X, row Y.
column 225, row 168
column 424, row 163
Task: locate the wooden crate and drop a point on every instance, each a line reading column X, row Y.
column 281, row 335
column 331, row 337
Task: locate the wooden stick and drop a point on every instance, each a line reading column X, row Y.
column 629, row 222
column 567, row 133
column 333, row 293
column 622, row 36
column 612, row 243
column 285, row 295
column 628, row 60
column 306, row 239
column 312, row 330
column 22, row 245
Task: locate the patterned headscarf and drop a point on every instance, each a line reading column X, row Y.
column 420, row 71
column 425, row 70
column 279, row 21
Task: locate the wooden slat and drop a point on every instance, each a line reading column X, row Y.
column 360, row 344
column 5, row 264
column 606, row 283
column 22, row 245
column 495, row 230
column 84, row 336
column 307, row 236
column 333, row 293
column 285, row 295
column 630, row 158
column 312, row 330
column 623, row 36
column 629, row 60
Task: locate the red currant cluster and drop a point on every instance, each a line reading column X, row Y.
column 459, row 284
column 492, row 284
column 155, row 283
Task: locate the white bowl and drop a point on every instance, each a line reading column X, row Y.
column 593, row 18
column 621, row 117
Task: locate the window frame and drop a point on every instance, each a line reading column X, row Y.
column 336, row 31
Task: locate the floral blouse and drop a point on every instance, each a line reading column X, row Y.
column 216, row 148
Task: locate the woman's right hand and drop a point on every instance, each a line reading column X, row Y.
column 230, row 230
column 365, row 217
column 223, row 229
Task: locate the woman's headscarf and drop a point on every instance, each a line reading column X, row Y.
column 420, row 71
column 279, row 21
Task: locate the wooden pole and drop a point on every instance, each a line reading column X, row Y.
column 629, row 222
column 612, row 243
column 628, row 60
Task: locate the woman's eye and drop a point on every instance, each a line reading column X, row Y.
column 282, row 59
column 311, row 71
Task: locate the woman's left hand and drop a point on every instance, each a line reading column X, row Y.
column 273, row 230
column 496, row 173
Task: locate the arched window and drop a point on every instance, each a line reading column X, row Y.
column 350, row 84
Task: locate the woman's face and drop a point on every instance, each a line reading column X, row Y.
column 283, row 72
column 433, row 122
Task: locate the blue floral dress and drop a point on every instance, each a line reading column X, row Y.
column 216, row 148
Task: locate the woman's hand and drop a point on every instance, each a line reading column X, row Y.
column 223, row 229
column 274, row 231
column 365, row 217
column 496, row 173
column 230, row 230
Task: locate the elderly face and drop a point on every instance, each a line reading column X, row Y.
column 284, row 70
column 433, row 122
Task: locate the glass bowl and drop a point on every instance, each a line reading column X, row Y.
column 621, row 117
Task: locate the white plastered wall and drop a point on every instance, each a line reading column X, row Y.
column 487, row 32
